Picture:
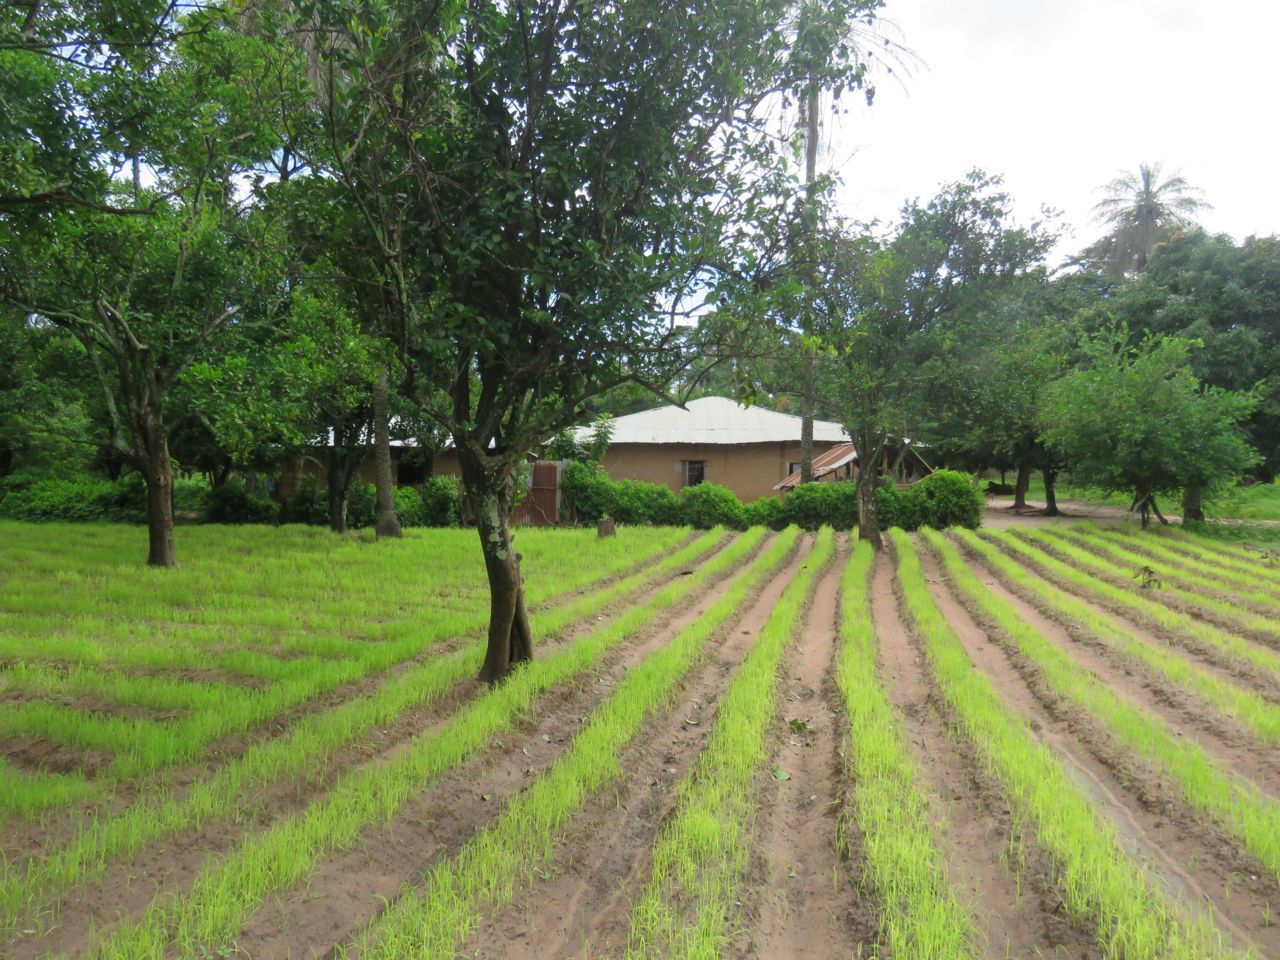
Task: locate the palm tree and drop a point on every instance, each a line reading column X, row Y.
column 1142, row 211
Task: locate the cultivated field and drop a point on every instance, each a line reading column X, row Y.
column 1051, row 741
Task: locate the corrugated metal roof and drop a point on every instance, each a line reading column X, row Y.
column 824, row 463
column 716, row 420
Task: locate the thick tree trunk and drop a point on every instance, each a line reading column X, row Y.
column 338, row 487
column 510, row 638
column 1192, row 507
column 158, row 471
column 1020, row 487
column 388, row 524
column 1050, row 492
column 868, row 521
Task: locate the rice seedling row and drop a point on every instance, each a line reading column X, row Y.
column 1127, row 579
column 1234, row 647
column 920, row 916
column 1099, row 884
column 1261, row 717
column 1160, row 548
column 689, row 903
column 226, row 893
column 1238, row 808
column 34, row 885
column 433, row 919
column 142, row 745
column 1183, row 576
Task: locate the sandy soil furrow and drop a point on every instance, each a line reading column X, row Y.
column 1186, row 854
column 1000, row 874
column 804, row 900
column 1183, row 712
column 583, row 908
column 171, row 865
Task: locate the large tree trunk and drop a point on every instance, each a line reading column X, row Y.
column 388, row 525
column 510, row 637
column 338, row 488
column 1192, row 507
column 1050, row 492
column 158, row 470
column 868, row 521
column 1020, row 487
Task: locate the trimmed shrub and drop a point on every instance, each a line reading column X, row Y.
column 812, row 505
column 950, row 499
column 587, row 491
column 765, row 512
column 233, row 502
column 441, row 505
column 945, row 498
column 640, row 502
column 708, row 505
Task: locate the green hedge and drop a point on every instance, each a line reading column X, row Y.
column 590, row 494
column 945, row 498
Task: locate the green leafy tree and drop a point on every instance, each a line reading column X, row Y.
column 1226, row 296
column 550, row 187
column 892, row 310
column 1137, row 419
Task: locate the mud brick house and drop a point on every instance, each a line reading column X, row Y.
column 747, row 449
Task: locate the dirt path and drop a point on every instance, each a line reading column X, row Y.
column 1188, row 856
column 1233, row 746
column 172, row 864
column 582, row 907
column 803, row 901
column 1020, row 919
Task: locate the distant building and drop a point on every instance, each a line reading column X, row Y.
column 747, row 449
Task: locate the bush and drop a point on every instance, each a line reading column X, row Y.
column 440, row 502
column 587, row 492
column 307, row 504
column 708, row 505
column 945, row 498
column 950, row 499
column 639, row 502
column 812, row 505
column 48, row 498
column 74, row 499
column 765, row 512
column 409, row 507
column 233, row 502
column 362, row 505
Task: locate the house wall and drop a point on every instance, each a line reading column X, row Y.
column 750, row 470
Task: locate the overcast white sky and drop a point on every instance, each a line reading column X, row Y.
column 1059, row 95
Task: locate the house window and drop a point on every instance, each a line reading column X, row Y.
column 692, row 472
column 793, row 467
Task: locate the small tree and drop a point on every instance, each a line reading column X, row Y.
column 549, row 186
column 1136, row 419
